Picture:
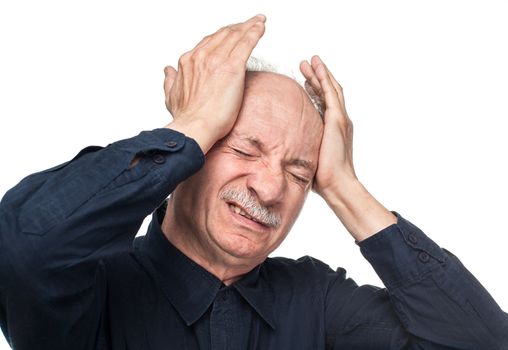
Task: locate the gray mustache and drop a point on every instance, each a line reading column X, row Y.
column 252, row 206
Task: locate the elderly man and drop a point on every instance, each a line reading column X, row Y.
column 240, row 157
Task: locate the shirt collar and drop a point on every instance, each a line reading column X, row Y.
column 190, row 288
column 255, row 288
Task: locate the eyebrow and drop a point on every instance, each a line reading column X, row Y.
column 255, row 142
column 302, row 163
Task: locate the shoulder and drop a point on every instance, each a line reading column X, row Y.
column 305, row 263
column 126, row 268
column 305, row 270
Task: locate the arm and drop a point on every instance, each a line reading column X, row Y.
column 431, row 299
column 56, row 226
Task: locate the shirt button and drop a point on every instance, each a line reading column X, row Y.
column 171, row 144
column 159, row 159
column 412, row 238
column 424, row 257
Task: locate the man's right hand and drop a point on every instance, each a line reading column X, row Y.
column 205, row 94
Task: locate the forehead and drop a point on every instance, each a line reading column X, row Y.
column 277, row 112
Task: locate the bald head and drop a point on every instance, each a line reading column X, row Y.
column 281, row 88
column 255, row 64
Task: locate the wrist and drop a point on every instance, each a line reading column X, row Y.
column 361, row 214
column 196, row 129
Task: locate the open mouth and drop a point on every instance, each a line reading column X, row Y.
column 239, row 210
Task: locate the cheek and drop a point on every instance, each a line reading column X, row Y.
column 216, row 172
column 198, row 193
column 290, row 214
column 295, row 203
column 221, row 164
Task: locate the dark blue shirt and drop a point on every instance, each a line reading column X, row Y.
column 72, row 276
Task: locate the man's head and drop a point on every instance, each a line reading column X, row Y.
column 240, row 206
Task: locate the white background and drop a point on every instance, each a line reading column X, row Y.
column 425, row 84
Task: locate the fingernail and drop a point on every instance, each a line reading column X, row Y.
column 261, row 17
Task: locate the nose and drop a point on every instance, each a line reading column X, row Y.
column 268, row 184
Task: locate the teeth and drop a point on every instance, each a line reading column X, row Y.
column 240, row 211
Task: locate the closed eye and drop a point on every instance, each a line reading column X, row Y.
column 242, row 153
column 300, row 179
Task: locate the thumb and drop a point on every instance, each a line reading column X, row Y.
column 170, row 76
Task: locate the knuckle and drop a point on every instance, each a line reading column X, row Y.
column 350, row 126
column 249, row 39
column 258, row 27
column 344, row 123
column 185, row 58
column 228, row 29
column 198, row 56
column 234, row 35
column 222, row 30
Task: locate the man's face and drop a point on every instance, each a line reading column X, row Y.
column 243, row 202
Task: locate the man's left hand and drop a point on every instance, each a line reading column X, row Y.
column 335, row 179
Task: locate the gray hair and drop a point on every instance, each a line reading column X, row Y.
column 251, row 206
column 255, row 64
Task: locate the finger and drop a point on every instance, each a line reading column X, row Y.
column 335, row 84
column 212, row 40
column 169, row 80
column 224, row 39
column 204, row 41
column 244, row 47
column 328, row 90
column 242, row 38
column 310, row 76
column 170, row 76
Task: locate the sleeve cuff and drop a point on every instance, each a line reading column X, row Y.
column 162, row 139
column 402, row 254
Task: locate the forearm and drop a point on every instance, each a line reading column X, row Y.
column 435, row 297
column 57, row 226
column 96, row 202
column 361, row 214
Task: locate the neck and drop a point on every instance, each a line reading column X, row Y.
column 197, row 248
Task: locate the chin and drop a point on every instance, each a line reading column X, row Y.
column 241, row 247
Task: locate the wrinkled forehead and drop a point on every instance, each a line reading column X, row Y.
column 277, row 111
column 273, row 90
column 267, row 78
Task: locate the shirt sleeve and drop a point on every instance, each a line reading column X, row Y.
column 431, row 301
column 57, row 225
